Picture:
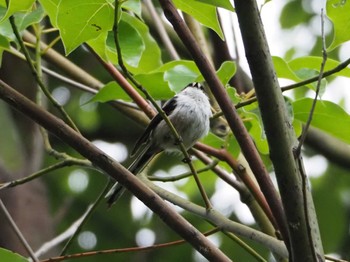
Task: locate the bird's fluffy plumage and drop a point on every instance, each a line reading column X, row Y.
column 189, row 112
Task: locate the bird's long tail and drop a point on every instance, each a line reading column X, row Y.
column 139, row 163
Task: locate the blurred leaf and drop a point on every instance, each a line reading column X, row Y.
column 79, row 21
column 203, row 13
column 7, row 255
column 10, row 142
column 15, row 6
column 226, row 4
column 293, row 14
column 314, row 62
column 327, row 116
column 232, row 145
column 256, row 130
column 252, row 119
column 338, row 12
column 133, row 5
column 232, row 92
column 331, row 206
column 4, row 45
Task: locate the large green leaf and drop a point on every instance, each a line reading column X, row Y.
column 79, row 21
column 204, row 13
column 338, row 12
column 23, row 20
column 327, row 116
column 15, row 6
column 140, row 52
column 131, row 44
column 51, row 8
column 151, row 57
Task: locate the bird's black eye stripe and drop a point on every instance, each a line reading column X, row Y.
column 197, row 85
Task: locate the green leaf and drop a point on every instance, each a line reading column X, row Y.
column 283, row 69
column 7, row 255
column 314, row 62
column 140, row 51
column 338, row 12
column 180, row 75
column 226, row 71
column 110, row 91
column 23, row 20
column 256, row 130
column 203, row 13
column 51, row 8
column 151, row 57
column 327, row 116
column 16, row 6
column 155, row 84
column 131, row 44
column 219, row 3
column 79, row 21
column 293, row 14
column 134, row 6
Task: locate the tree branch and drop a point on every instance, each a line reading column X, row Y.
column 113, row 169
column 236, row 124
column 280, row 136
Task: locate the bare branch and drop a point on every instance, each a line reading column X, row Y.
column 113, row 169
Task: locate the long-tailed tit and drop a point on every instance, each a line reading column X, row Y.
column 189, row 112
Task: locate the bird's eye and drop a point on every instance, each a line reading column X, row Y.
column 197, row 85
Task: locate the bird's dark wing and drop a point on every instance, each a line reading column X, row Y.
column 168, row 107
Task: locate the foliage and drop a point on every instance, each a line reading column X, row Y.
column 88, row 25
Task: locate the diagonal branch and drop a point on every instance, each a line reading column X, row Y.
column 235, row 122
column 113, row 169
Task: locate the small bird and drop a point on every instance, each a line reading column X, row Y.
column 189, row 111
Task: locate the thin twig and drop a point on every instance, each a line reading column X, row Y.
column 124, row 250
column 61, row 237
column 183, row 175
column 158, row 108
column 244, row 245
column 18, row 232
column 65, row 163
column 297, row 150
column 320, row 76
column 87, row 215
